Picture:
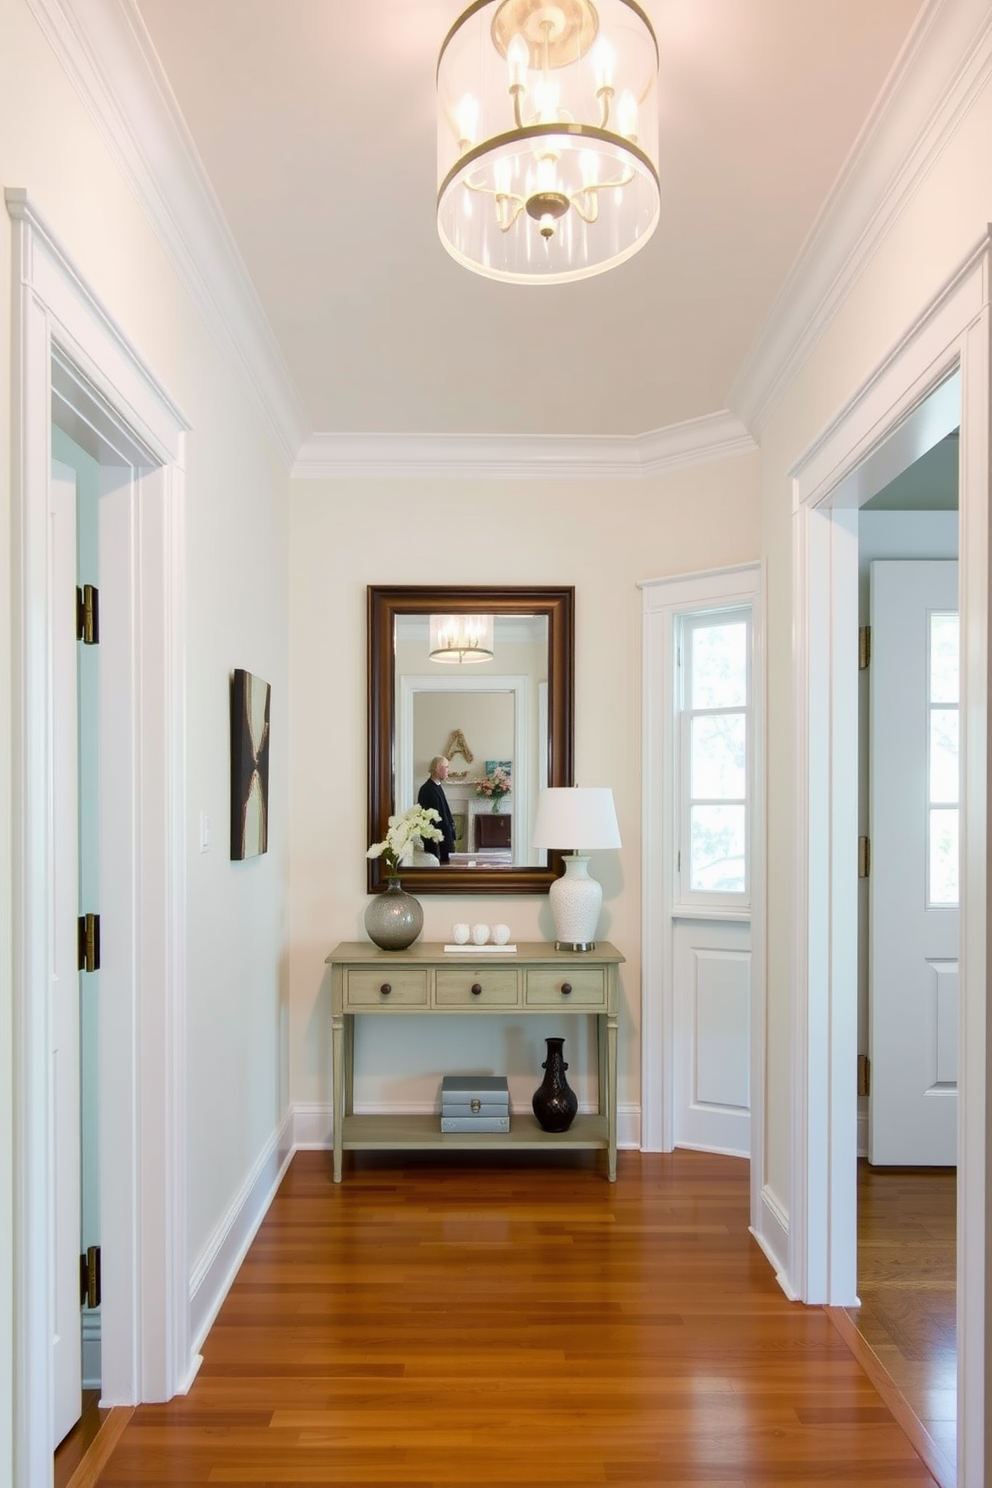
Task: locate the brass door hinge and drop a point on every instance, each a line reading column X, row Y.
column 864, row 646
column 88, row 614
column 88, row 939
column 89, row 1278
column 864, row 1074
column 864, row 857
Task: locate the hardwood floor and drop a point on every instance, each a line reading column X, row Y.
column 77, row 1444
column 907, row 1226
column 507, row 1321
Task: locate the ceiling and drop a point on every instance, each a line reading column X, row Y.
column 929, row 484
column 314, row 122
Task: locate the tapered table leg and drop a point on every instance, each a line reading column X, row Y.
column 611, row 1092
column 337, row 1089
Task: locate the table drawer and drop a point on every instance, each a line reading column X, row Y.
column 368, row 988
column 499, row 987
column 546, row 988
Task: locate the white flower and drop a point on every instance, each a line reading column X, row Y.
column 404, row 833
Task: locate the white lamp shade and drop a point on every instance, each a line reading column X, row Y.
column 576, row 818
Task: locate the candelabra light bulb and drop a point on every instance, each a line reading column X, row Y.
column 603, row 62
column 518, row 60
column 467, row 119
column 627, row 115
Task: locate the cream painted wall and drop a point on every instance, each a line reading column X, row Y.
column 942, row 222
column 236, row 563
column 601, row 539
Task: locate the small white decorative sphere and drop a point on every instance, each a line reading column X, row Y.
column 460, row 934
column 480, row 934
column 501, row 934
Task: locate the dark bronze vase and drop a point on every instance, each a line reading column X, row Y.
column 555, row 1102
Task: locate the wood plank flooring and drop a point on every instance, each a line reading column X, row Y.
column 510, row 1321
column 907, row 1259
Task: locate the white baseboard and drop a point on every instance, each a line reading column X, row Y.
column 216, row 1269
column 862, row 1133
column 629, row 1127
column 313, row 1127
column 773, row 1238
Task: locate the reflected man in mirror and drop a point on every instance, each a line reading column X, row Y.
column 431, row 793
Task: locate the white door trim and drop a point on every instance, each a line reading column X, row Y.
column 523, row 790
column 663, row 600
column 143, row 1160
column 878, row 433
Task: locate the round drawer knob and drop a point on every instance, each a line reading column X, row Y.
column 476, row 989
column 566, row 988
column 385, row 989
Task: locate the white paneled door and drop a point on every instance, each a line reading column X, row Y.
column 712, row 963
column 914, row 869
column 63, row 1010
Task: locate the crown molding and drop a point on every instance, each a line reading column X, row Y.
column 943, row 66
column 718, row 436
column 109, row 58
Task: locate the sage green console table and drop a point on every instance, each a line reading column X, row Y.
column 425, row 981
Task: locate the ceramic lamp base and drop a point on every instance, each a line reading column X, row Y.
column 576, row 900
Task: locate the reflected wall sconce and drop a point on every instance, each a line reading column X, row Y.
column 461, row 638
column 576, row 817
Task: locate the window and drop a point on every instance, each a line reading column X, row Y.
column 943, row 673
column 713, row 655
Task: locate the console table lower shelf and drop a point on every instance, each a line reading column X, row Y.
column 426, row 981
column 420, row 1133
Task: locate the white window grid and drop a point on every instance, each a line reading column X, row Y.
column 686, row 896
column 942, row 807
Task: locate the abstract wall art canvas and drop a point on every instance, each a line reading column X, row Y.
column 249, row 765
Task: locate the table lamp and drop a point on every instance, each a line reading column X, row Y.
column 576, row 817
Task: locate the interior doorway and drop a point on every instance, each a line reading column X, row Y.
column 908, row 943
column 76, row 478
column 936, row 378
column 68, row 351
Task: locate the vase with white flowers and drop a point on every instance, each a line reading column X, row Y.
column 394, row 919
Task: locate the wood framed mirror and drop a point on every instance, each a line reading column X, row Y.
column 512, row 709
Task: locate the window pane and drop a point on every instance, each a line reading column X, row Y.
column 719, row 665
column 717, row 757
column 944, row 856
column 716, row 852
column 943, row 754
column 944, row 663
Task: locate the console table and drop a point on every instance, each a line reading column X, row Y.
column 426, row 981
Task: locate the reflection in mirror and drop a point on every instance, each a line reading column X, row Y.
column 483, row 717
column 504, row 724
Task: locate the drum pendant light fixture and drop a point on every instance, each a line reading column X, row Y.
column 547, row 138
column 461, row 638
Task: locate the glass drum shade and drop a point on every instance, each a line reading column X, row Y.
column 547, row 138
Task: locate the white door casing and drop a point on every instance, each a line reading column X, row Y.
column 935, row 378
column 913, row 996
column 62, row 335
column 64, row 1240
column 662, row 920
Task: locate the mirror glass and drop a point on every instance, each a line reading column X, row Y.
column 504, row 723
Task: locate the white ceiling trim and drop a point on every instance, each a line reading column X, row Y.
column 108, row 55
column 943, row 66
column 718, row 436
